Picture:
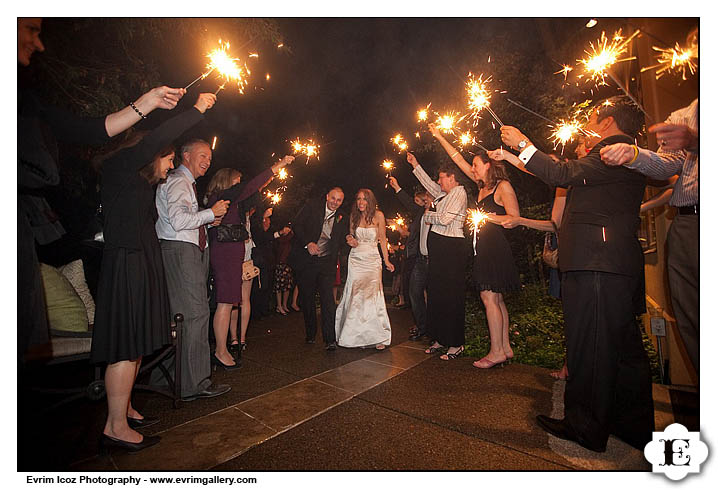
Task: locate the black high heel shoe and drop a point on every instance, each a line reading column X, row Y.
column 141, row 423
column 107, row 443
column 227, row 367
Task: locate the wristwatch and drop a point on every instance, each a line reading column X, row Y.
column 522, row 144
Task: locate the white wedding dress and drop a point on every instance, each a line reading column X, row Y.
column 362, row 320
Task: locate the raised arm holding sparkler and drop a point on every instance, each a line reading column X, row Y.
column 453, row 153
column 157, row 98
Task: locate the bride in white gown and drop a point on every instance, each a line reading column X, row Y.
column 362, row 320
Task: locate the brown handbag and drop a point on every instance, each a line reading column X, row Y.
column 249, row 270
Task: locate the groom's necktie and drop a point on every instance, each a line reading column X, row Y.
column 326, row 235
column 202, row 230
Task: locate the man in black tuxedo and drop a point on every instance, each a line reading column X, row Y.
column 319, row 231
column 609, row 390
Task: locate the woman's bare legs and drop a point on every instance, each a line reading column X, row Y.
column 131, row 412
column 119, row 379
column 495, row 319
column 220, row 325
column 295, row 295
column 505, row 341
column 246, row 308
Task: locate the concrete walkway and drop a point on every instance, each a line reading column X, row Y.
column 354, row 409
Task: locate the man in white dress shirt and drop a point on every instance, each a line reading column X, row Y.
column 183, row 238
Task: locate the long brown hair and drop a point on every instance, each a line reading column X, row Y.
column 496, row 173
column 221, row 180
column 149, row 171
column 371, row 207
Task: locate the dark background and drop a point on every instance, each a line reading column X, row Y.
column 348, row 83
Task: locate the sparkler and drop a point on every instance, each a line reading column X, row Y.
column 400, row 142
column 466, row 139
column 476, row 219
column 310, row 148
column 604, row 55
column 231, row 69
column 282, row 175
column 214, row 142
column 274, row 197
column 422, row 114
column 564, row 132
column 479, row 96
column 675, row 59
column 564, row 70
column 388, row 166
column 448, row 122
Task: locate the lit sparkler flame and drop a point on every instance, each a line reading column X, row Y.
column 565, row 131
column 477, row 218
column 310, row 148
column 466, row 138
column 228, row 68
column 604, row 55
column 447, row 123
column 388, row 165
column 400, row 143
column 676, row 60
column 422, row 114
column 214, row 142
column 274, row 197
column 565, row 71
column 479, row 96
column 282, row 175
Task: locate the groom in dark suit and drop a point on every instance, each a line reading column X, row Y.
column 609, row 390
column 319, row 230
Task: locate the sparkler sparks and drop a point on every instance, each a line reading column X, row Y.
column 447, row 123
column 564, row 132
column 675, row 60
column 310, row 148
column 564, row 70
column 466, row 138
column 231, row 69
column 479, row 96
column 388, row 165
column 214, row 142
column 282, row 175
column 476, row 218
column 604, row 55
column 422, row 114
column 274, row 197
column 400, row 142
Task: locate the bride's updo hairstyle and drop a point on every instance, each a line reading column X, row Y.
column 371, row 208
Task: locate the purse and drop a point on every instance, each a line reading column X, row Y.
column 550, row 255
column 249, row 270
column 232, row 233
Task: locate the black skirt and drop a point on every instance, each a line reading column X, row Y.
column 446, row 289
column 132, row 318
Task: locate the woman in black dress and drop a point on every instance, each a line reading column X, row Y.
column 495, row 271
column 133, row 315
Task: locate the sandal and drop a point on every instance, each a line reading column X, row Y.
column 485, row 363
column 281, row 311
column 380, row 347
column 434, row 349
column 448, row 356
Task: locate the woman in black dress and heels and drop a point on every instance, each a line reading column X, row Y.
column 133, row 315
column 495, row 271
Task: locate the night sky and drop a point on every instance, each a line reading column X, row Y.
column 353, row 83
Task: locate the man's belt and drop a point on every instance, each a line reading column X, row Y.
column 688, row 209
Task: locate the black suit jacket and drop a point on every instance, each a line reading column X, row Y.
column 412, row 243
column 601, row 218
column 307, row 228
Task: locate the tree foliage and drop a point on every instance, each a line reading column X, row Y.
column 96, row 65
